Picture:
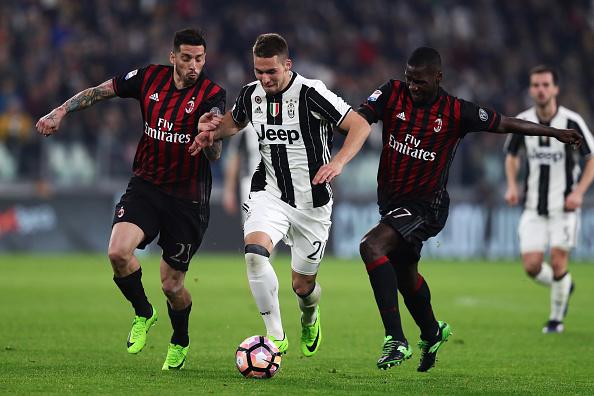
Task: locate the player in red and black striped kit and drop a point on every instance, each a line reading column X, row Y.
column 169, row 193
column 422, row 127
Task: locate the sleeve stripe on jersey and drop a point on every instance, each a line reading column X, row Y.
column 512, row 144
column 332, row 114
column 243, row 95
column 588, row 149
column 115, row 86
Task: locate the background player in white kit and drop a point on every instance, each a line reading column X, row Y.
column 291, row 197
column 553, row 193
column 242, row 156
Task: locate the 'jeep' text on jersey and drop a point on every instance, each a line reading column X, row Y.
column 294, row 129
column 553, row 167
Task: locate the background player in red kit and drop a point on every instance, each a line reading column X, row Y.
column 422, row 127
column 170, row 190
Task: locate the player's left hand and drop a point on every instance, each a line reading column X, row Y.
column 569, row 136
column 327, row 172
column 574, row 201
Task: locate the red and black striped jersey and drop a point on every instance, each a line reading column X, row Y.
column 420, row 141
column 170, row 121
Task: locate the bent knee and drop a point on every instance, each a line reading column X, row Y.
column 370, row 249
column 532, row 268
column 119, row 256
column 303, row 287
column 171, row 288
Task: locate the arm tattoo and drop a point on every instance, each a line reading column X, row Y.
column 89, row 97
column 213, row 152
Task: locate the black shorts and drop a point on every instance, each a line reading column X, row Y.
column 180, row 223
column 416, row 221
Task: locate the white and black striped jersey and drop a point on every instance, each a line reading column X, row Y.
column 294, row 129
column 553, row 167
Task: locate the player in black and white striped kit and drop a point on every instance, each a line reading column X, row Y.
column 291, row 197
column 554, row 191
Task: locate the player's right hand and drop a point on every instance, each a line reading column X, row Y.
column 569, row 136
column 511, row 196
column 202, row 140
column 207, row 124
column 209, row 121
column 50, row 123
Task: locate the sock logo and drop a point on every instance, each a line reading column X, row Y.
column 265, row 313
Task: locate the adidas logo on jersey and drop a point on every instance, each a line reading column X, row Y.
column 402, row 116
column 154, row 97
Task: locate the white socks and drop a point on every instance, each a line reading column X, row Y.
column 264, row 286
column 559, row 296
column 545, row 276
column 309, row 304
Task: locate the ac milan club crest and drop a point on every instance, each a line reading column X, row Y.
column 274, row 109
column 438, row 125
column 190, row 106
column 120, row 212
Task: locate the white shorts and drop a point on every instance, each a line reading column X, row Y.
column 304, row 230
column 558, row 230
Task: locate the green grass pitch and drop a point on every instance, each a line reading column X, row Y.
column 63, row 329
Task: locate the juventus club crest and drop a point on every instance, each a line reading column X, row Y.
column 274, row 109
column 291, row 109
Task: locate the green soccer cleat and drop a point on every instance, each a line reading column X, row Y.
column 140, row 327
column 429, row 350
column 311, row 336
column 393, row 353
column 282, row 345
column 176, row 357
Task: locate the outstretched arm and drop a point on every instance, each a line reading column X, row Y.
column 357, row 132
column 213, row 152
column 230, row 181
column 50, row 123
column 212, row 127
column 522, row 127
column 512, row 165
column 575, row 198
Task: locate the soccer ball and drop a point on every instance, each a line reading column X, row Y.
column 257, row 357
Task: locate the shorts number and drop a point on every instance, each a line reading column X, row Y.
column 183, row 256
column 317, row 255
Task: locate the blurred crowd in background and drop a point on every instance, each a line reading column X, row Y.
column 51, row 49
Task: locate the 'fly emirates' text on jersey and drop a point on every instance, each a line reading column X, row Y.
column 170, row 120
column 420, row 141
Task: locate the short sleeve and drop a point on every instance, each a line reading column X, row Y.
column 373, row 108
column 217, row 99
column 474, row 118
column 587, row 147
column 129, row 85
column 513, row 144
column 326, row 103
column 239, row 110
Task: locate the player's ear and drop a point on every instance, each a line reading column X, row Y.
column 288, row 63
column 438, row 76
column 172, row 58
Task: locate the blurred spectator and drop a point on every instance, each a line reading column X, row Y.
column 49, row 50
